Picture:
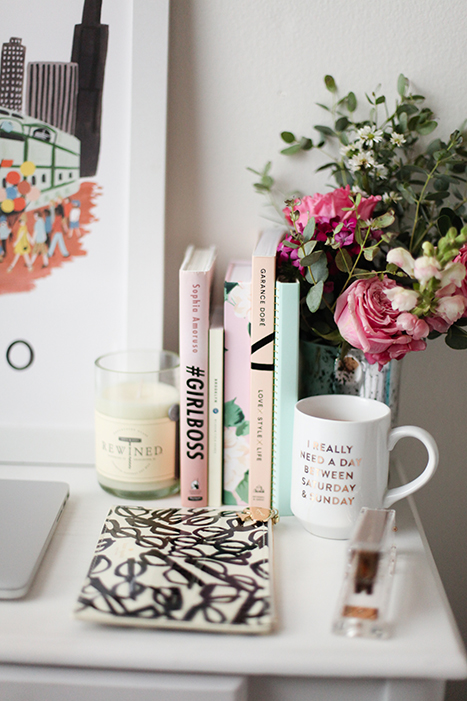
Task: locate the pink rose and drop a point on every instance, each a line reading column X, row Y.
column 462, row 258
column 367, row 320
column 331, row 205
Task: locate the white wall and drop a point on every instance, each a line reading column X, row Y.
column 242, row 71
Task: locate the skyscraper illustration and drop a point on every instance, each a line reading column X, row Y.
column 51, row 94
column 89, row 52
column 12, row 74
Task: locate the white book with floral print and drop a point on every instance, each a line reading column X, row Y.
column 237, row 303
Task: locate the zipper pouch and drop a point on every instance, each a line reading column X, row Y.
column 203, row 569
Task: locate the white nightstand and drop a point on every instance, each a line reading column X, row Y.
column 46, row 655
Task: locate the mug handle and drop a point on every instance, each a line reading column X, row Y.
column 393, row 495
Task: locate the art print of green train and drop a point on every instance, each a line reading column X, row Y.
column 54, row 154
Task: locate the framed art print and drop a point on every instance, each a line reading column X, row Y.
column 83, row 99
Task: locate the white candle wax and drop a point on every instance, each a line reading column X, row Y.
column 137, row 400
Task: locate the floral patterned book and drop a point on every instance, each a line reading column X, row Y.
column 237, row 344
column 201, row 569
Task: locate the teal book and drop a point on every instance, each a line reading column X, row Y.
column 286, row 358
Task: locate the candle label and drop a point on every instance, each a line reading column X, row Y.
column 135, row 450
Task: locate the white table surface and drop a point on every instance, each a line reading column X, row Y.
column 40, row 629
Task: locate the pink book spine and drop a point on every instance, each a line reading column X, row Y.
column 194, row 329
column 261, row 380
column 237, row 302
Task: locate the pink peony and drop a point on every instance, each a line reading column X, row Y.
column 366, row 319
column 332, row 205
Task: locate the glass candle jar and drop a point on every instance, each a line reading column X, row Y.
column 136, row 423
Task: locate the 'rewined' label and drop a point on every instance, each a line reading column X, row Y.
column 135, row 450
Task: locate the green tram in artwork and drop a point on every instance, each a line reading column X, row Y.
column 54, row 153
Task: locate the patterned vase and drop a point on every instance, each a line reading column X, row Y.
column 322, row 371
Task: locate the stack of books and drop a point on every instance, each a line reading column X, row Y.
column 239, row 380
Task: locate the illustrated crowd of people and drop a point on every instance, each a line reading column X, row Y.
column 52, row 225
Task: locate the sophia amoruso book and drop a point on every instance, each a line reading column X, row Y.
column 263, row 282
column 196, row 275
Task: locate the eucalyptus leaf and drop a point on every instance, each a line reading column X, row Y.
column 330, row 83
column 306, row 144
column 385, row 220
column 441, row 183
column 318, row 266
column 309, row 259
column 343, row 260
column 402, row 85
column 306, row 249
column 314, row 297
column 403, row 121
column 291, row 150
column 407, row 193
column 327, row 131
column 325, row 167
column 426, row 128
column 370, row 253
column 435, row 145
column 436, row 196
column 358, row 236
column 407, row 109
column 456, row 338
column 341, row 124
column 309, row 229
column 351, row 102
column 288, row 137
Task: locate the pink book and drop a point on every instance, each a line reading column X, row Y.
column 262, row 367
column 196, row 274
column 237, row 342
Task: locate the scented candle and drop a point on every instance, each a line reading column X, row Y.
column 136, row 422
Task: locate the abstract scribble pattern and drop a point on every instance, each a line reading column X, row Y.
column 179, row 568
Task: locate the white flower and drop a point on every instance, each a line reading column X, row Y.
column 356, row 189
column 453, row 273
column 402, row 258
column 346, row 150
column 381, row 170
column 370, row 135
column 362, row 161
column 240, row 298
column 451, row 308
column 397, row 139
column 425, row 268
column 401, row 299
column 236, row 458
column 391, row 197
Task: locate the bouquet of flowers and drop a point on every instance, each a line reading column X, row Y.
column 382, row 258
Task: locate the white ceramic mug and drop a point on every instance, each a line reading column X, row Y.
column 340, row 461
